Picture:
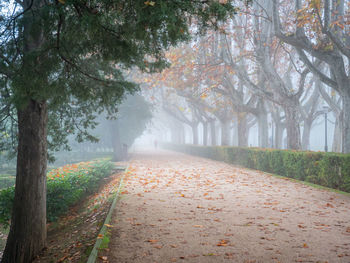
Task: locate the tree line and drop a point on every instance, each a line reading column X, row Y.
column 279, row 62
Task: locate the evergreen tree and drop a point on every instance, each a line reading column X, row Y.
column 67, row 56
column 133, row 115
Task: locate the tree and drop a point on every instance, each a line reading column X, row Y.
column 55, row 53
column 321, row 33
column 133, row 115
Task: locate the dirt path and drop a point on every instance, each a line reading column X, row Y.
column 180, row 208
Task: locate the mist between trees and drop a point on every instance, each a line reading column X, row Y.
column 269, row 77
column 266, row 77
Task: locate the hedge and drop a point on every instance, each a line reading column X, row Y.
column 65, row 187
column 327, row 169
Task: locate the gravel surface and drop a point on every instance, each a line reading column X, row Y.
column 180, row 208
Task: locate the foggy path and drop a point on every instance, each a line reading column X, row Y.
column 180, row 208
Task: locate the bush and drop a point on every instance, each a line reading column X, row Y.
column 65, row 187
column 326, row 169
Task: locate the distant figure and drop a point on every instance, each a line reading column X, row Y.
column 155, row 144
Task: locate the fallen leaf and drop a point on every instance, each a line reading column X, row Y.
column 152, row 241
column 223, row 243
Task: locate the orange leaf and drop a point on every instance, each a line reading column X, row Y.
column 222, row 243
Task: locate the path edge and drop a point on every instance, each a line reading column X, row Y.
column 94, row 252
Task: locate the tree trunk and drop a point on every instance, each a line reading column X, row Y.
column 346, row 123
column 305, row 142
column 212, row 133
column 27, row 235
column 278, row 135
column 182, row 134
column 337, row 137
column 235, row 134
column 205, row 133
column 225, row 132
column 242, row 131
column 293, row 129
column 263, row 129
column 116, row 143
column 195, row 134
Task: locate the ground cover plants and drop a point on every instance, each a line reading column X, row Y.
column 65, row 187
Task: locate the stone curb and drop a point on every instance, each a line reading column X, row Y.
column 94, row 253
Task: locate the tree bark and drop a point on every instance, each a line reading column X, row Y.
column 337, row 136
column 205, row 133
column 116, row 143
column 212, row 133
column 27, row 235
column 242, row 131
column 195, row 134
column 346, row 123
column 305, row 142
column 263, row 129
column 225, row 132
column 293, row 129
column 279, row 128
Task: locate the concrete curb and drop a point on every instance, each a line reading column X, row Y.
column 94, row 253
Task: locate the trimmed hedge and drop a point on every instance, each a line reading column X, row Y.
column 327, row 169
column 65, row 187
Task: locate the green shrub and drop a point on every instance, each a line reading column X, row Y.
column 327, row 169
column 65, row 187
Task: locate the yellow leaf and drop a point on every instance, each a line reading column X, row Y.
column 62, row 1
column 151, row 3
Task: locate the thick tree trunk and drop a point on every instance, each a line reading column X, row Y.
column 293, row 129
column 225, row 132
column 205, row 133
column 242, row 131
column 212, row 133
column 195, row 134
column 305, row 141
column 27, row 235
